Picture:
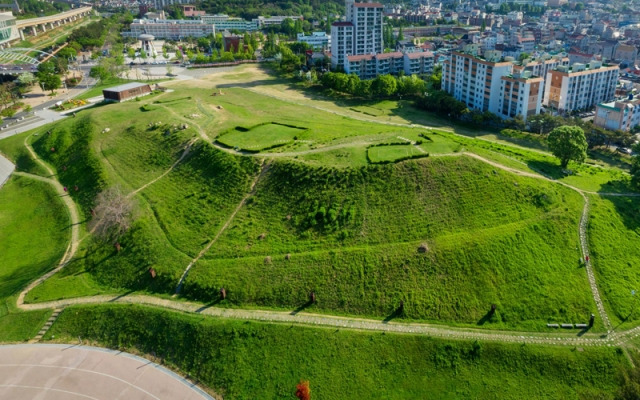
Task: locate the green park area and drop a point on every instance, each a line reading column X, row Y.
column 379, row 216
column 33, row 231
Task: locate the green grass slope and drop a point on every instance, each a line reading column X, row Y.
column 248, row 360
column 34, row 229
column 614, row 239
column 352, row 236
column 14, row 149
column 68, row 150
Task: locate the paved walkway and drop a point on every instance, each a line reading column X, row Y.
column 63, row 372
column 6, row 169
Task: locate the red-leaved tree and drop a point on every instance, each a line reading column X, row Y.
column 302, row 390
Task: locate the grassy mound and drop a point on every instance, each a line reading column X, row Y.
column 247, row 360
column 193, row 201
column 33, row 233
column 614, row 239
column 68, row 149
column 353, row 236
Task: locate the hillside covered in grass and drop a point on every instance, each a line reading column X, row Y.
column 34, row 230
column 248, row 360
column 614, row 239
column 353, row 233
column 353, row 237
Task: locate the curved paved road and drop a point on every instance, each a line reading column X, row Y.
column 57, row 372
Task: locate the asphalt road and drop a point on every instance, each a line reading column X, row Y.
column 57, row 372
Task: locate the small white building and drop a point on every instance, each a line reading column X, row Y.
column 621, row 115
column 317, row 40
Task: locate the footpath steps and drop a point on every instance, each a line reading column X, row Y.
column 47, row 325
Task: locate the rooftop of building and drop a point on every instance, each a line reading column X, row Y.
column 360, row 57
column 368, row 5
column 419, row 54
column 126, row 86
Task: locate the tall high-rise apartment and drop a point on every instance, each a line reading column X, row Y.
column 360, row 34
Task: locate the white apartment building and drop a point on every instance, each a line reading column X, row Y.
column 368, row 66
column 418, row 63
column 317, row 40
column 360, row 34
column 621, row 115
column 580, row 86
column 175, row 29
column 367, row 27
column 341, row 42
column 520, row 94
column 224, row 22
column 541, row 67
column 266, row 22
column 475, row 81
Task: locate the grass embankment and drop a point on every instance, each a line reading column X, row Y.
column 248, row 360
column 14, row 149
column 34, row 229
column 176, row 216
column 614, row 238
column 352, row 236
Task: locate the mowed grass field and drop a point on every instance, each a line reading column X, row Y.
column 249, row 360
column 34, row 230
column 614, row 239
column 261, row 137
column 392, row 153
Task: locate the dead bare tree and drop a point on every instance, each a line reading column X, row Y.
column 113, row 215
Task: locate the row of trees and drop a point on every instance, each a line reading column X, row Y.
column 383, row 86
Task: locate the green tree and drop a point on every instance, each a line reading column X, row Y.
column 384, row 86
column 50, row 81
column 131, row 52
column 26, row 79
column 568, row 143
column 99, row 72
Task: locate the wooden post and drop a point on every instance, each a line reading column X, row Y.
column 117, row 246
column 312, row 297
column 223, row 294
column 592, row 319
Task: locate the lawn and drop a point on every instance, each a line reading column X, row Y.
column 261, row 137
column 250, row 360
column 614, row 238
column 393, row 153
column 13, row 148
column 34, row 232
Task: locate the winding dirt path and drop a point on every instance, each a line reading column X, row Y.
column 74, row 219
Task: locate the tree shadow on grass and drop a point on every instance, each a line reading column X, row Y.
column 208, row 305
column 397, row 313
column 486, row 318
column 302, row 307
